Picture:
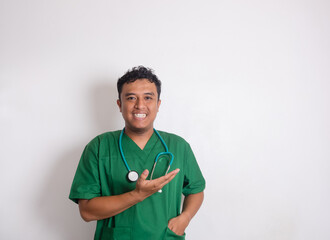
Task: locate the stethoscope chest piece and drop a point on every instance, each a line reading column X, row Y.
column 132, row 176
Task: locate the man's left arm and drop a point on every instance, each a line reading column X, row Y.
column 191, row 204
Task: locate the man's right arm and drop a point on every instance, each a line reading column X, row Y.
column 99, row 208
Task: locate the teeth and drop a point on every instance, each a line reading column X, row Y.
column 140, row 115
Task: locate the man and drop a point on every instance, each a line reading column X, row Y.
column 105, row 183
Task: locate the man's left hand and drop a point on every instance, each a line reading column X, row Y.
column 179, row 224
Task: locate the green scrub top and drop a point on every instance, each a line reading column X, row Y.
column 102, row 172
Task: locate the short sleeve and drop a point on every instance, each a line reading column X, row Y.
column 194, row 181
column 86, row 182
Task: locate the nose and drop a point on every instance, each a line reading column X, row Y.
column 139, row 104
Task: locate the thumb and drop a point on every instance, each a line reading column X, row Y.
column 144, row 175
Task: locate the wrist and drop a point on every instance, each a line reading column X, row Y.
column 136, row 196
column 186, row 215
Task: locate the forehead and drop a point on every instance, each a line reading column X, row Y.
column 139, row 86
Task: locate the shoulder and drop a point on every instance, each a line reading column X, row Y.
column 104, row 138
column 171, row 137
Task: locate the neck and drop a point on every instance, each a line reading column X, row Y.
column 140, row 138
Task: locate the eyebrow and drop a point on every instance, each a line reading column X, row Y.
column 147, row 93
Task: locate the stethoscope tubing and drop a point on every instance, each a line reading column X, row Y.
column 158, row 155
column 165, row 153
column 121, row 150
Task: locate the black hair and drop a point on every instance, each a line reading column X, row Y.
column 136, row 73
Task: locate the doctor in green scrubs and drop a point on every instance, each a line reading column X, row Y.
column 146, row 208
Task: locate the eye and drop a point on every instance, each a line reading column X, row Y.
column 130, row 98
column 148, row 98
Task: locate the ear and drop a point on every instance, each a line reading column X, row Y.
column 158, row 104
column 119, row 104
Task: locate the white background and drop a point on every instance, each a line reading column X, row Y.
column 245, row 82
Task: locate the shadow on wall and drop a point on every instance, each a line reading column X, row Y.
column 60, row 218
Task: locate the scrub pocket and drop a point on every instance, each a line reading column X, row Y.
column 170, row 235
column 118, row 233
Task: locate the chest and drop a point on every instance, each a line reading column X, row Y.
column 113, row 169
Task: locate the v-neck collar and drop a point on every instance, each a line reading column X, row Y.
column 133, row 148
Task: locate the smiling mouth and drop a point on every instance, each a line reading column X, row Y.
column 140, row 115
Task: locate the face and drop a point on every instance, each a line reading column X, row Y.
column 139, row 105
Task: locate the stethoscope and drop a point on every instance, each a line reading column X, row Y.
column 132, row 175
